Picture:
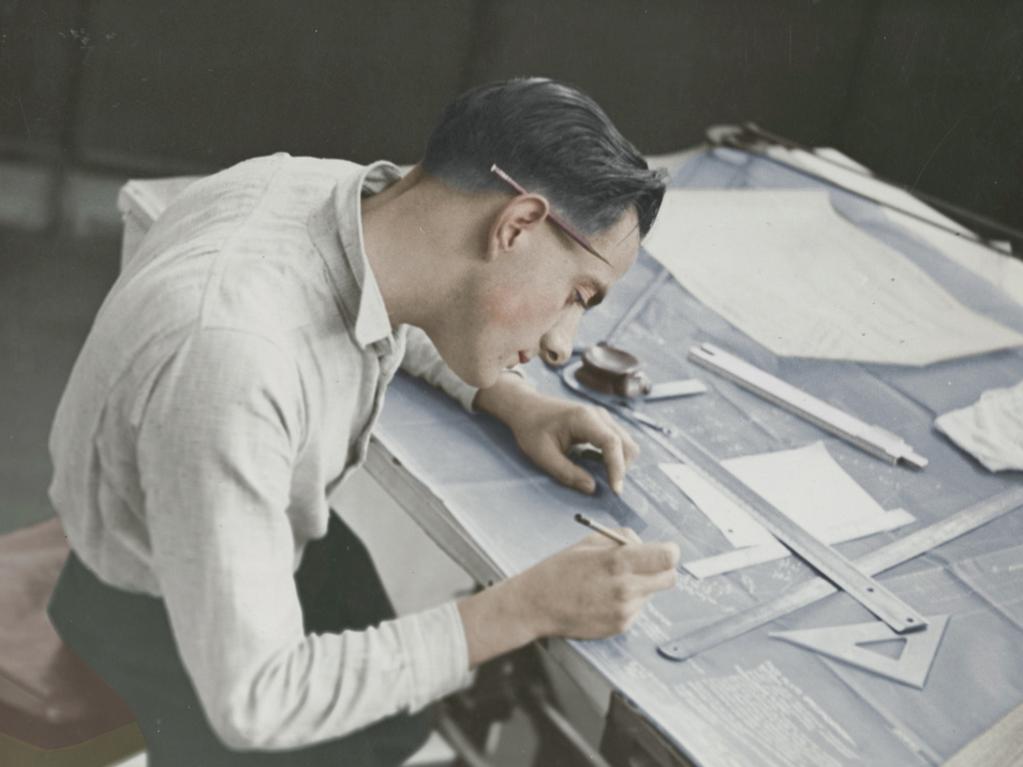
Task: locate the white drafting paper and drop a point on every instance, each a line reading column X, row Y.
column 991, row 429
column 788, row 271
column 735, row 524
column 736, row 559
column 805, row 483
column 1000, row 270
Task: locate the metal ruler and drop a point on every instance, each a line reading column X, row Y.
column 899, row 616
column 884, row 558
column 872, row 439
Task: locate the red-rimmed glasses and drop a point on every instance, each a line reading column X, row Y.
column 554, row 218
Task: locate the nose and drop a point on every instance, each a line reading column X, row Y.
column 556, row 343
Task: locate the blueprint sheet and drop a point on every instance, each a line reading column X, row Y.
column 785, row 268
column 755, row 700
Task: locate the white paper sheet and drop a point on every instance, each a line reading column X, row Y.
column 736, row 559
column 1001, row 270
column 805, row 483
column 991, row 429
column 791, row 273
column 734, row 523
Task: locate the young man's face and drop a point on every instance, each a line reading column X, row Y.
column 532, row 298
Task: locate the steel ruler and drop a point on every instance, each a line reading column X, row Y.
column 872, row 439
column 899, row 616
column 884, row 558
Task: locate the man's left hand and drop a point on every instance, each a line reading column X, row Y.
column 546, row 428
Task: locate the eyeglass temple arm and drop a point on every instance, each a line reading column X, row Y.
column 554, row 217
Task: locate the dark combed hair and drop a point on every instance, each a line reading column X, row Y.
column 552, row 139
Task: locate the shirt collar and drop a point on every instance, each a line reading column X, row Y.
column 338, row 226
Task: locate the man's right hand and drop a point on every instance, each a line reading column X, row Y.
column 591, row 590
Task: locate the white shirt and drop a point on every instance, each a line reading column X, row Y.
column 229, row 383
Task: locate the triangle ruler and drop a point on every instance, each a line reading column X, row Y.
column 850, row 644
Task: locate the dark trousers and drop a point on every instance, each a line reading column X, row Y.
column 127, row 640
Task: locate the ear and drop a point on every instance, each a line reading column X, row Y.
column 516, row 222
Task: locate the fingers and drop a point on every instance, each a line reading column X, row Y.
column 601, row 540
column 630, row 592
column 630, row 597
column 598, row 587
column 637, row 557
column 659, row 582
column 594, row 426
column 559, row 466
column 652, row 558
column 644, row 558
column 612, row 446
column 628, row 443
column 545, row 441
column 629, row 534
column 618, row 447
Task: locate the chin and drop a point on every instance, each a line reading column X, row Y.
column 476, row 375
column 484, row 379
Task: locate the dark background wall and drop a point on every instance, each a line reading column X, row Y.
column 93, row 91
column 927, row 91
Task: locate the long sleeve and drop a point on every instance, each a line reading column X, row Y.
column 422, row 359
column 220, row 433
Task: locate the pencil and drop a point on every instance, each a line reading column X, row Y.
column 607, row 532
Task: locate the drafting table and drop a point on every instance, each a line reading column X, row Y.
column 752, row 700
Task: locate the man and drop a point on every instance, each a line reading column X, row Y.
column 231, row 380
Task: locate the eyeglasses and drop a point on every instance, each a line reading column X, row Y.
column 554, row 218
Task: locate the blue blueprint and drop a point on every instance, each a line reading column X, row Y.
column 754, row 700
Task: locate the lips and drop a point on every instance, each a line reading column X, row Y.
column 523, row 358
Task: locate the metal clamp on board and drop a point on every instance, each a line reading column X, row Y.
column 750, row 138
